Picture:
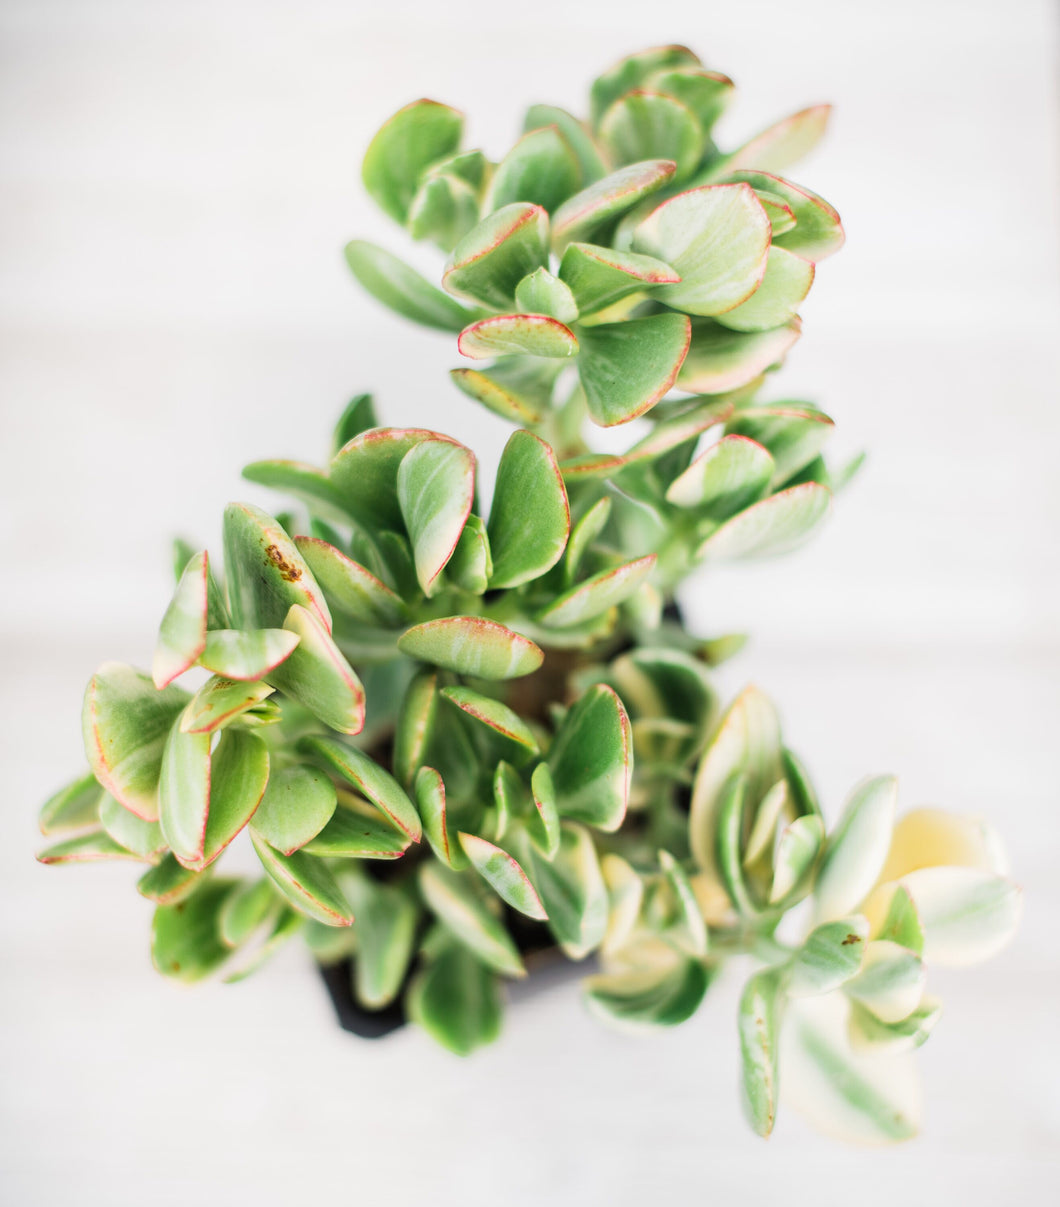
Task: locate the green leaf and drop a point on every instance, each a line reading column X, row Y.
column 734, row 804
column 604, row 201
column 717, row 238
column 776, row 301
column 452, row 900
column 318, row 676
column 831, row 955
column 456, row 1001
column 239, row 771
column 591, row 760
column 775, row 525
column 572, row 890
column 627, row 367
column 902, row 923
column 415, row 725
column 706, row 93
column 430, row 797
column 599, row 276
column 370, row 779
column 219, row 702
column 471, row 565
column 780, row 214
column 583, row 534
column 780, row 145
column 287, row 923
column 543, row 824
column 298, row 803
column 686, row 930
column 724, row 479
column 818, row 231
column 597, row 594
column 444, row 209
column 541, row 168
column 530, row 518
column 472, row 167
column 794, row 434
column 266, row 572
column 577, row 136
column 516, row 388
column 857, row 848
column 358, row 833
column 968, row 915
column 647, row 997
column 386, row 938
column 246, row 656
column 358, row 417
column 409, row 142
column 472, row 645
column 625, row 889
column 365, row 471
column 436, row 487
column 720, row 360
column 125, row 722
column 890, row 982
column 800, row 844
column 511, row 737
column 516, row 335
column 306, row 882
column 349, row 587
column 759, row 1026
column 72, row 807
column 186, row 938
column 304, row 482
column 504, row 875
column 392, row 282
column 143, row 838
column 542, row 293
column 182, row 635
column 642, row 125
column 633, row 71
column 491, row 260
column 867, row 1034
column 87, row 848
column 246, row 908
column 169, row 881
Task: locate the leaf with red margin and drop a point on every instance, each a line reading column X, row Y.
column 517, row 335
column 605, row 200
column 720, row 360
column 370, row 779
column 626, row 368
column 306, row 882
column 435, row 488
column 597, row 594
column 472, row 645
column 491, row 260
column 504, row 875
column 591, row 760
column 530, row 516
column 182, row 634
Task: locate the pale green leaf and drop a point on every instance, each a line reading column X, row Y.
column 600, row 276
column 643, row 125
column 777, row 299
column 392, row 282
column 385, row 927
column 349, row 587
column 542, row 293
column 541, row 168
column 626, row 368
column 720, row 360
column 456, row 1000
column 491, row 260
column 298, row 803
column 370, row 779
column 219, row 702
column 759, row 1027
column 724, row 479
column 504, row 875
column 453, row 901
column 856, row 848
column 608, row 199
column 246, row 656
column 435, row 488
column 597, row 594
column 472, row 645
column 307, row 884
column 186, row 938
column 182, row 635
column 72, row 807
column 831, row 955
column 416, row 136
column 517, row 335
column 591, row 760
column 772, row 526
column 530, row 518
column 318, row 676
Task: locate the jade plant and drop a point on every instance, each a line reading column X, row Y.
column 457, row 736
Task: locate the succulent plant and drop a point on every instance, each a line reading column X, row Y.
column 455, row 735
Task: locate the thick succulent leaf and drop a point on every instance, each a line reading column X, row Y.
column 605, row 200
column 720, row 360
column 776, row 301
column 444, row 209
column 504, row 875
column 454, row 902
column 169, row 881
column 898, row 919
column 599, row 276
column 625, row 889
column 415, row 725
column 456, row 1000
column 510, row 737
column 724, row 479
column 370, row 779
column 706, row 93
column 409, row 142
column 541, row 168
column 857, row 848
column 182, row 634
column 246, row 656
column 583, row 534
column 925, row 838
column 266, row 573
column 597, row 594
column 890, row 982
column 529, row 518
column 625, row 368
column 661, row 682
column 516, row 388
column 869, row 1035
column 646, row 124
column 365, row 471
column 717, row 238
column 186, row 938
column 304, row 482
column 572, row 890
column 793, row 433
column 590, row 163
column 184, row 794
column 542, row 293
column 831, row 955
column 761, row 1005
column 543, row 824
column 143, row 838
column 772, row 526
column 746, row 741
column 649, row 997
column 358, row 417
column 386, row 939
column 471, row 565
column 591, row 760
column 430, row 798
column 219, row 702
column 818, row 231
column 125, row 722
column 686, row 930
column 782, row 144
column 633, row 71
column 968, row 915
column 306, row 882
column 491, row 260
column 87, row 848
column 239, row 772
column 298, row 803
column 781, row 216
column 472, row 167
column 358, row 833
column 517, row 335
column 318, row 676
column 733, row 807
column 392, row 282
column 349, row 587
column 287, row 923
column 247, row 907
column 73, row 807
column 472, row 645
column 850, row 1096
column 509, row 799
column 800, row 844
column 435, row 487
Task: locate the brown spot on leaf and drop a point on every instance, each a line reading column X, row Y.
column 851, row 939
column 289, row 572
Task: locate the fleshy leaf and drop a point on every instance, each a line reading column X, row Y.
column 430, row 797
column 776, row 301
column 504, row 875
column 724, row 479
column 247, row 907
column 182, row 635
column 720, row 360
column 648, row 997
column 386, row 935
column 530, row 518
column 456, row 1000
column 143, row 838
column 304, row 482
column 542, row 293
column 516, row 388
column 365, row 471
column 453, row 901
column 869, row 1035
column 572, row 890
column 169, row 881
column 796, row 853
column 793, row 433
column 597, row 594
column 219, row 702
column 298, row 803
column 818, row 231
column 358, row 833
column 968, row 915
column 510, row 736
column 643, row 123
column 491, row 260
column 925, row 838
column 246, row 656
column 239, row 772
column 541, row 168
column 517, row 335
column 358, row 416
column 890, row 982
column 686, row 930
column 370, row 779
column 318, row 676
column 857, row 848
column 578, row 137
column 831, row 955
column 409, row 142
column 627, row 367
column 591, row 760
column 772, row 526
column 599, row 276
column 306, row 882
column 759, row 1027
column 186, row 938
column 436, row 487
column 87, row 848
column 472, row 645
column 392, row 282
column 349, row 586
column 444, row 209
column 608, row 199
column 415, row 725
column 782, row 144
column 583, row 534
column 633, row 71
column 543, row 824
column 73, row 807
column 706, row 93
column 471, row 565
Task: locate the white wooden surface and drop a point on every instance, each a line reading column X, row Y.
column 176, row 183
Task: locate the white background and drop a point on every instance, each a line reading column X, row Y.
column 176, row 185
